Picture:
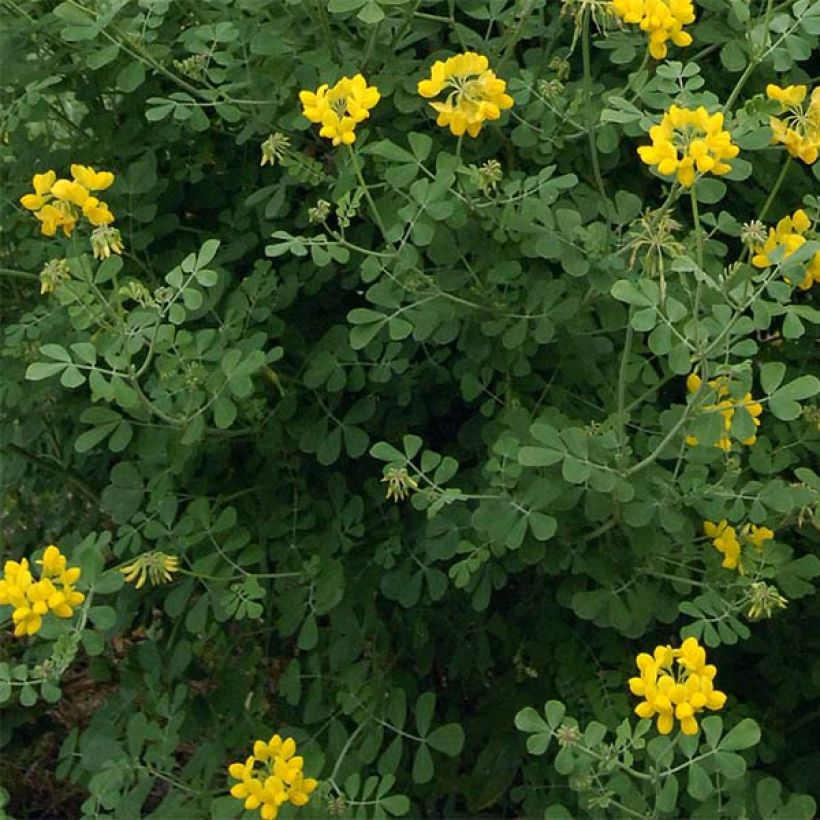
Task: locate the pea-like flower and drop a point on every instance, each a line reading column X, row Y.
column 277, row 781
column 725, row 540
column 788, row 235
column 340, row 108
column 798, row 126
column 676, row 684
column 756, row 536
column 60, row 203
column 726, row 406
column 476, row 95
column 32, row 600
column 662, row 20
column 688, row 142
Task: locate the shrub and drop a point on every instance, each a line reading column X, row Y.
column 378, row 369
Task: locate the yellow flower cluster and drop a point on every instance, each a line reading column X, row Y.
column 59, row 203
column 726, row 405
column 477, row 94
column 725, row 540
column 688, row 142
column 789, row 235
column 341, row 108
column 799, row 130
column 662, row 20
column 676, row 684
column 278, row 781
column 30, row 599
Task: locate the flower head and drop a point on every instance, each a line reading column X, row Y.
column 399, row 483
column 54, row 272
column 798, row 127
column 155, row 566
column 32, row 600
column 764, row 601
column 277, row 781
column 676, row 684
column 60, row 203
column 105, row 240
column 688, row 142
column 275, row 147
column 787, row 236
column 340, row 108
column 662, row 20
column 476, row 93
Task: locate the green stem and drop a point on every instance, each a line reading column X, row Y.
column 19, row 274
column 527, row 7
column 778, row 183
column 698, row 227
column 622, row 372
column 58, row 469
column 593, row 148
column 326, row 33
column 750, row 67
column 693, row 198
column 358, row 171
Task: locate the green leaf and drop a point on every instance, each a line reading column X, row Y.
column 423, row 765
column 625, row 291
column 771, row 375
column 447, row 739
column 207, row 252
column 743, row 736
column 700, row 784
column 396, row 804
column 425, row 705
column 555, row 711
column 131, row 77
column 37, row 371
column 28, row 695
column 668, row 795
column 72, row 377
column 308, row 634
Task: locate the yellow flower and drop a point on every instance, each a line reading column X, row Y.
column 756, row 536
column 688, row 142
column 59, row 203
column 31, row 600
column 788, row 235
column 42, row 189
column 799, row 129
column 676, row 684
column 93, row 180
column 156, row 566
column 279, row 779
column 55, row 216
column 662, row 20
column 477, row 95
column 70, row 191
column 341, row 108
column 724, row 540
column 726, row 406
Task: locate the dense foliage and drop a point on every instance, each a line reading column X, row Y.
column 426, row 362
